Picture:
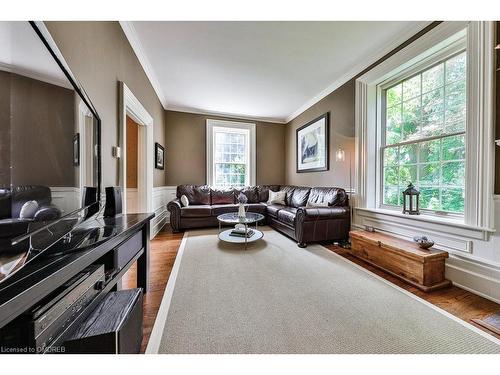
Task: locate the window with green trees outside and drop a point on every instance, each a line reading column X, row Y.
column 230, row 157
column 424, row 136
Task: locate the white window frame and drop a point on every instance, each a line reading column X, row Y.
column 478, row 213
column 251, row 156
column 455, row 47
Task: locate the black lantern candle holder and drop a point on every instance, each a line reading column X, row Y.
column 411, row 204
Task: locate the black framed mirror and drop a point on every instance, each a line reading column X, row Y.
column 50, row 136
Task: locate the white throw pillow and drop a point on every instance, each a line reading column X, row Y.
column 184, row 201
column 28, row 210
column 277, row 197
column 316, row 204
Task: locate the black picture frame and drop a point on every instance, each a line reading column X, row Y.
column 326, row 145
column 159, row 156
column 76, row 150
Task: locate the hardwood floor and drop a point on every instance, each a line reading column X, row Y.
column 162, row 256
column 459, row 302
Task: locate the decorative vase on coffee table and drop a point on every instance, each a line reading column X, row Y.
column 241, row 211
column 241, row 200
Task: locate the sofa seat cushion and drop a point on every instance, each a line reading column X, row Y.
column 287, row 215
column 196, row 211
column 273, row 209
column 219, row 209
column 259, row 208
column 325, row 213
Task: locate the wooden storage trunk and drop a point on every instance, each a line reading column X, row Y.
column 403, row 259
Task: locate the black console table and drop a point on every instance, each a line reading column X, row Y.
column 127, row 243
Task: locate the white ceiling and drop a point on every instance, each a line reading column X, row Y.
column 259, row 70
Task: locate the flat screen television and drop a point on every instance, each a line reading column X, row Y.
column 49, row 146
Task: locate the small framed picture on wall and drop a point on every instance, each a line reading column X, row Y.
column 159, row 156
column 312, row 145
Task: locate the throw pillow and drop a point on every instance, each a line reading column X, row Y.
column 28, row 210
column 316, row 204
column 277, row 197
column 184, row 201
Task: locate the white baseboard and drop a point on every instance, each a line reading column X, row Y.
column 475, row 276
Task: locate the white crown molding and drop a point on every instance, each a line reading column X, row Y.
column 224, row 114
column 129, row 31
column 402, row 37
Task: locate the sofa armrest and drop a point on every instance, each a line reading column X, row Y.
column 46, row 213
column 174, row 207
column 322, row 224
column 323, row 213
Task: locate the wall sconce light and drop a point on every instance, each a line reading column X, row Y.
column 498, row 46
column 340, row 155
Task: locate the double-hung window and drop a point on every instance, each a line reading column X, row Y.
column 230, row 153
column 423, row 135
column 425, row 115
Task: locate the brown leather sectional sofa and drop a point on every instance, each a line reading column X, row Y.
column 297, row 221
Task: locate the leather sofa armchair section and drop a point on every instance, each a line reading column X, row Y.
column 295, row 219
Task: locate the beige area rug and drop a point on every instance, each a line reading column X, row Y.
column 278, row 298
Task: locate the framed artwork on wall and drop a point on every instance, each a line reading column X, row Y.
column 312, row 145
column 76, row 149
column 159, row 156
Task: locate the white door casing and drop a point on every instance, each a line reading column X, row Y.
column 130, row 106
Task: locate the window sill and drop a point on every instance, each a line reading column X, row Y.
column 425, row 223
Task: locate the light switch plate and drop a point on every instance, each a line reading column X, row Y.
column 116, row 151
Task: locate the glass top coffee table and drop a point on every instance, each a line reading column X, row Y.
column 233, row 218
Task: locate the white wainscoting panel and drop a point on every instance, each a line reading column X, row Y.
column 161, row 196
column 66, row 198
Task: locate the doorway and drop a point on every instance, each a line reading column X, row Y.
column 136, row 128
column 132, row 153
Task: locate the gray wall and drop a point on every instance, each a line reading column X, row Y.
column 4, row 129
column 185, row 155
column 41, row 127
column 340, row 105
column 100, row 55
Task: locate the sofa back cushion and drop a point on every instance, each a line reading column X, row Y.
column 300, row 195
column 263, row 191
column 288, row 189
column 196, row 194
column 219, row 196
column 333, row 196
column 250, row 192
column 22, row 194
